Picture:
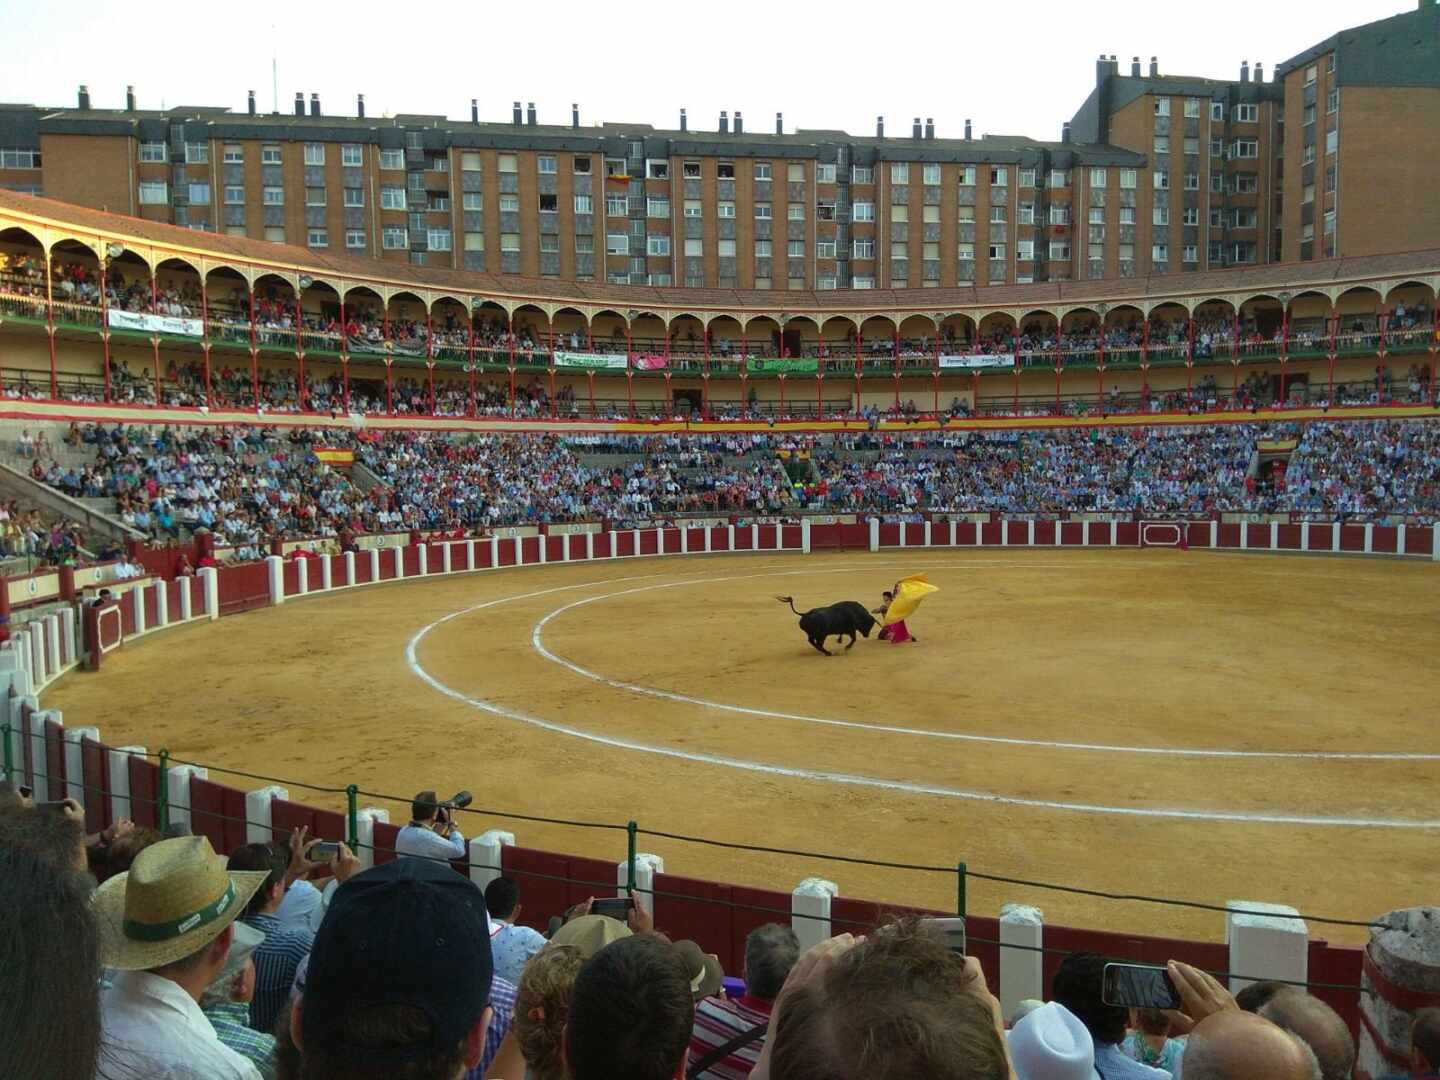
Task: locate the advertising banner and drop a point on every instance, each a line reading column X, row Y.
column 155, row 324
column 614, row 361
column 767, row 365
column 977, row 360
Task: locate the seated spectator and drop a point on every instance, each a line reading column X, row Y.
column 284, row 947
column 511, row 945
column 631, row 1013
column 226, row 1003
column 398, row 983
column 1235, row 1045
column 115, row 856
column 892, row 1006
column 770, row 952
column 1149, row 1042
column 55, row 833
column 166, row 927
column 1315, row 1024
column 1077, row 986
column 1049, row 1043
column 430, row 834
column 534, row 1047
column 49, row 971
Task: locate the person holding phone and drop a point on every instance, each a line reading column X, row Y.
column 1079, row 986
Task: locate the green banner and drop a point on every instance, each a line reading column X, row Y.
column 769, row 365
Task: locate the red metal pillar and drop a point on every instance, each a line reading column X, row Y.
column 50, row 325
column 389, row 383
column 154, row 339
column 630, row 386
column 705, row 376
column 590, row 389
column 554, row 407
column 105, row 324
column 510, row 332
column 344, row 359
column 205, row 341
column 782, row 393
column 300, row 394
column 254, row 355
column 1334, row 321
column 1189, row 354
column 470, row 366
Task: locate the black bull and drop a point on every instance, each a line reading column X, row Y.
column 846, row 618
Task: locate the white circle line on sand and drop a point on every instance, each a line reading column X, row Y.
column 850, row 779
column 538, row 643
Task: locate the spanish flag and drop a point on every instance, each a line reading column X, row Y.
column 908, row 594
column 332, row 456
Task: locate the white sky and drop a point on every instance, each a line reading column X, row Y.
column 1017, row 68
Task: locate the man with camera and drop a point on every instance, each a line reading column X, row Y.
column 431, row 833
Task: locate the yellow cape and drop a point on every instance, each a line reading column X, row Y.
column 909, row 593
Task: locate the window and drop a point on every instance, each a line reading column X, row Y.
column 657, row 170
column 967, row 175
column 234, row 196
column 862, row 174
column 1217, row 218
column 1191, row 216
column 509, row 241
column 1127, row 215
column 509, row 203
column 275, row 234
column 863, row 281
column 997, row 251
column 1307, row 233
column 693, row 208
column 932, row 174
column 583, row 204
column 762, row 169
column 1245, row 148
column 1059, row 178
column 616, row 206
column 825, row 249
column 1332, row 141
column 614, row 166
column 795, row 249
column 1162, row 106
column 725, row 170
column 577, row 164
column 1127, row 179
column 997, row 215
column 392, row 197
column 825, row 282
column 1190, row 253
column 1192, row 108
column 270, row 155
column 199, row 194
column 549, row 204
column 472, row 200
column 999, row 176
column 1060, row 250
column 437, row 238
column 694, row 247
column 1025, row 250
column 657, row 206
column 354, row 196
column 899, row 172
column 1329, row 222
column 272, row 196
column 863, row 249
column 657, row 245
column 762, row 249
column 1311, row 73
column 662, row 280
column 900, row 213
column 354, row 238
column 1217, row 147
column 393, row 237
column 1246, row 114
column 314, row 196
column 1162, row 179
column 314, row 153
column 1330, row 64
column 965, row 253
column 617, row 244
column 725, row 249
column 1307, row 154
column 824, row 174
column 762, row 211
column 1162, row 144
column 1243, row 217
column 1192, row 181
column 395, row 159
column 1217, row 181
column 930, row 214
column 1059, row 214
column 507, row 163
column 900, row 249
column 351, row 154
column 1217, row 112
column 1160, row 215
column 1330, row 177
column 149, row 151
column 1308, row 115
column 725, row 209
column 1332, row 101
column 317, row 238
column 197, row 153
column 862, row 211
column 1307, row 194
column 1191, row 147
column 545, row 164
column 1097, row 178
column 1160, row 253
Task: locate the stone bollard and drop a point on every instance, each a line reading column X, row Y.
column 1402, row 969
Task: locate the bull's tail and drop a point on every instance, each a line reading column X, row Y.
column 791, row 601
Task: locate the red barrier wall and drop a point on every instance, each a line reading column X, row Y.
column 550, row 883
column 670, row 542
column 604, row 545
column 385, row 834
column 144, row 782
column 217, row 812
column 240, row 587
column 530, row 545
column 55, row 760
column 96, row 778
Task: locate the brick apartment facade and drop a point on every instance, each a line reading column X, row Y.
column 1155, row 174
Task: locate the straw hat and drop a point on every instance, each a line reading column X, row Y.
column 590, row 933
column 176, row 898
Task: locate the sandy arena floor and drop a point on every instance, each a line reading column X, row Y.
column 1009, row 737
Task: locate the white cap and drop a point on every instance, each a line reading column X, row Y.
column 1051, row 1044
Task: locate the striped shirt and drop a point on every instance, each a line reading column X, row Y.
column 231, row 1022
column 276, row 959
column 502, row 1004
column 717, row 1021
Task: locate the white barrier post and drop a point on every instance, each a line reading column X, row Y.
column 1435, row 543
column 276, row 568
column 1085, row 533
column 162, row 604
column 424, row 558
column 365, row 819
column 327, row 572
column 1030, row 533
column 589, row 546
column 494, row 552
column 302, row 576
column 445, row 566
column 399, row 561
column 177, row 785
column 710, row 532
column 37, row 654
column 136, row 596
column 810, row 903
column 520, row 550
column 1274, row 535
column 75, row 762
column 187, row 598
column 118, row 765
column 646, row 867
column 730, row 539
column 1244, row 536
column 374, row 564
column 210, row 591
column 953, row 532
column 1402, row 953
column 544, row 554
column 258, row 812
column 349, row 563
column 874, row 534
column 1214, row 533
column 1273, row 943
column 1400, row 539
column 684, row 539
column 1305, row 536
column 487, row 855
column 1335, row 536
column 68, row 623
column 1369, row 537
column 1022, row 928
column 929, row 533
column 58, row 658
column 904, row 540
column 469, row 554
column 805, row 536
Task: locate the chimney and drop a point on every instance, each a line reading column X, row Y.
column 1134, row 67
column 575, row 115
column 84, row 98
column 129, row 99
column 530, row 114
column 474, row 110
column 930, row 128
column 1102, row 69
column 1245, row 71
column 250, row 104
column 360, row 106
column 779, row 123
column 739, row 123
column 1154, row 67
column 1259, row 72
column 915, row 128
column 1065, row 132
column 879, row 127
column 968, row 136
column 684, row 121
column 515, row 114
column 314, row 104
column 724, row 122
column 299, row 104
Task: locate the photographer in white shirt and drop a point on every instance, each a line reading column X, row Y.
column 431, row 834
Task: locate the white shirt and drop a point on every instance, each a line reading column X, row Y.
column 417, row 841
column 301, row 908
column 151, row 1029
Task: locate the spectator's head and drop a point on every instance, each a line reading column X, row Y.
column 542, row 1006
column 502, row 899
column 898, row 1005
column 15, row 796
column 1234, row 1045
column 1077, row 986
column 46, row 831
column 271, row 860
column 49, row 954
column 770, row 952
column 1425, row 1042
column 119, row 855
column 398, row 983
column 631, row 1013
column 590, row 933
column 1257, row 994
column 1150, row 1021
column 1049, row 1043
column 236, row 979
column 424, row 806
column 1318, row 1026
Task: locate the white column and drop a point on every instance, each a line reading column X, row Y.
column 210, row 591
column 754, row 537
column 810, row 903
column 1085, row 533
column 399, row 551
column 565, row 546
column 805, row 536
column 1400, row 539
column 659, row 541
column 494, row 552
column 1369, row 537
column 646, row 867
column 37, row 654
column 327, row 572
column 1023, row 928
column 1004, row 531
column 257, row 812
column 75, row 763
column 374, row 564
column 1273, row 944
column 929, row 533
column 1114, row 532
column 1244, row 536
column 543, row 546
column 1435, row 543
column 424, row 558
column 730, row 538
column 709, row 534
column 874, row 534
column 187, row 598
column 446, row 560
column 1305, row 536
column 136, row 597
column 486, row 855
column 68, row 623
column 348, row 561
column 1030, row 532
column 302, row 576
column 276, row 566
column 589, row 546
column 1274, row 535
column 118, row 764
column 1335, row 536
column 52, row 642
column 684, row 539
column 365, row 819
column 904, row 540
column 177, row 786
column 1214, row 533
column 952, row 532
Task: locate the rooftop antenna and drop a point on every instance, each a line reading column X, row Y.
column 274, row 74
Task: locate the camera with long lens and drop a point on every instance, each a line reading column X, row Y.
column 458, row 801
